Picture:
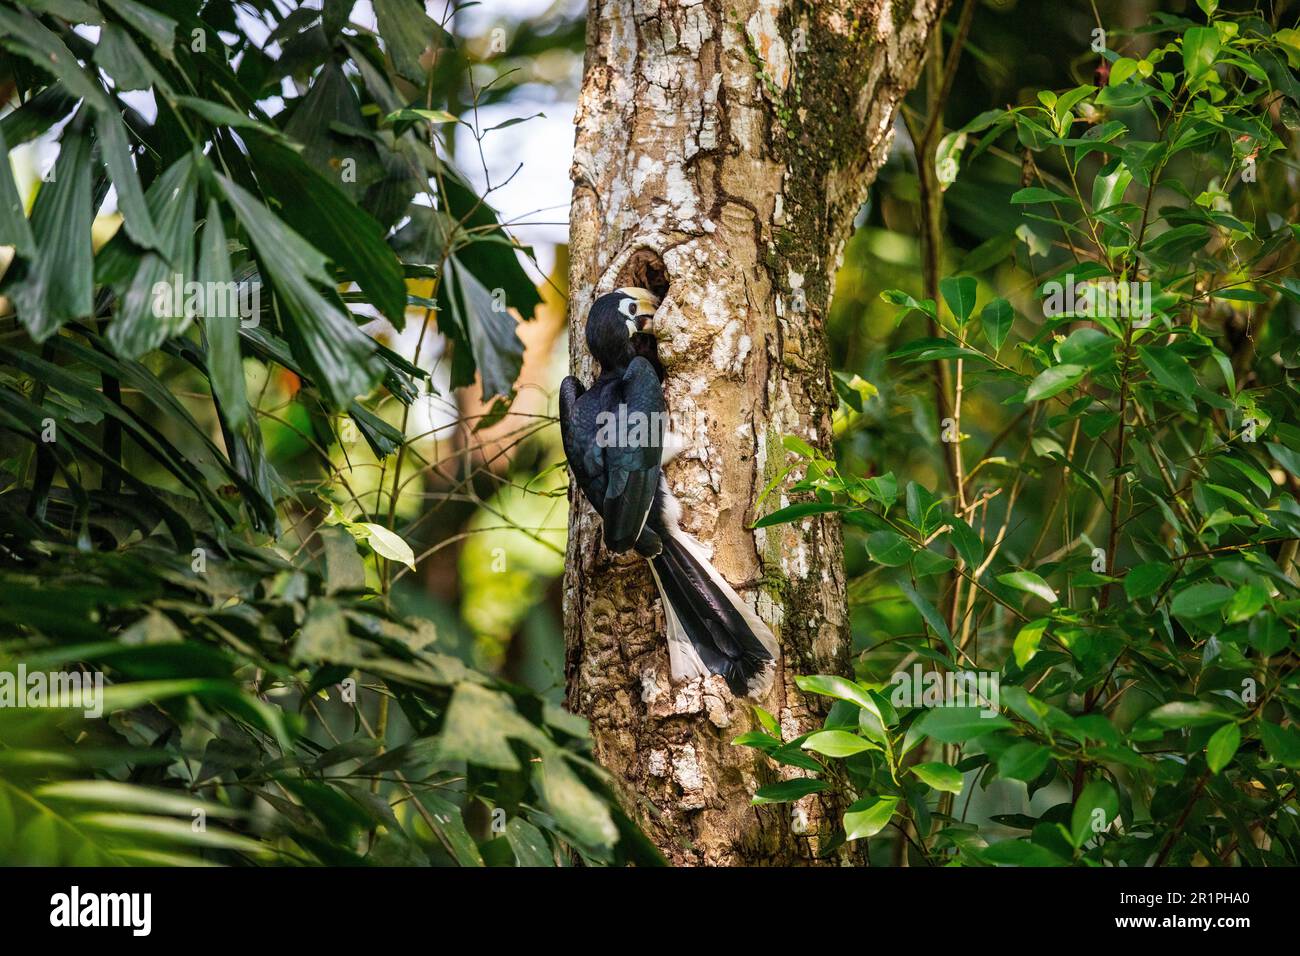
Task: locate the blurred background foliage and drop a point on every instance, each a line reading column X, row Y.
column 1012, row 51
column 1193, row 752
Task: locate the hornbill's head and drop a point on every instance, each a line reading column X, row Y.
column 614, row 318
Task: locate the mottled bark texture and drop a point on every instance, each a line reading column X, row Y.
column 722, row 151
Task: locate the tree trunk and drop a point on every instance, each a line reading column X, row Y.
column 722, row 152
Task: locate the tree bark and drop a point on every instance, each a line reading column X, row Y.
column 723, row 149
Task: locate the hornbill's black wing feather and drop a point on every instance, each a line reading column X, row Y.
column 570, row 431
column 632, row 460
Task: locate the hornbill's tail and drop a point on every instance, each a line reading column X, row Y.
column 710, row 629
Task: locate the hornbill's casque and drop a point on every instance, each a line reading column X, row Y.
column 615, row 438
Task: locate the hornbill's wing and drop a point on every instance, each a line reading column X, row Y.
column 632, row 461
column 570, row 391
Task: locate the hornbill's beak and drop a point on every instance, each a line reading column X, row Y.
column 647, row 303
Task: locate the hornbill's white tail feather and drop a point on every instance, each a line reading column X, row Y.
column 683, row 662
column 711, row 630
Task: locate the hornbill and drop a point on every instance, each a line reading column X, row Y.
column 616, row 438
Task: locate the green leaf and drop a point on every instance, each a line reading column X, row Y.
column 1200, row 47
column 1222, row 745
column 1247, row 601
column 479, row 725
column 15, row 230
column 1021, row 853
column 996, row 320
column 768, row 722
column 528, row 843
column 575, row 806
column 1169, row 369
column 58, row 285
column 158, row 29
column 119, row 56
column 1255, row 475
column 889, row 548
column 488, row 327
column 947, row 158
column 449, row 825
column 225, row 364
column 788, row 790
column 1200, row 600
column 1282, row 743
column 315, row 206
column 1090, row 348
column 154, row 300
column 930, row 615
column 388, row 545
column 222, row 692
column 109, row 794
column 909, row 304
column 882, row 488
column 137, row 828
column 1146, row 579
column 1056, row 379
column 1178, row 243
column 338, row 355
column 841, row 688
column 791, row 755
column 1096, row 807
column 1184, row 713
column 966, row 542
column 922, row 508
column 940, row 776
column 431, row 116
column 837, row 743
column 1024, row 761
column 493, row 257
column 1031, row 582
column 868, row 816
column 1027, row 640
column 1108, row 189
column 1035, row 194
column 1121, row 70
column 407, row 32
column 220, row 115
column 796, row 511
column 756, row 738
column 74, row 11
column 1240, row 295
column 959, row 293
column 955, row 725
column 116, row 152
column 32, row 40
column 1268, row 635
column 344, row 569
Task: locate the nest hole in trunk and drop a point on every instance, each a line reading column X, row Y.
column 644, row 269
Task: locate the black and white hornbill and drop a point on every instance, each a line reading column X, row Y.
column 615, row 437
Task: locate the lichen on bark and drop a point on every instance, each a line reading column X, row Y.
column 724, row 149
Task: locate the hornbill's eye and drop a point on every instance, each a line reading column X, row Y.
column 637, row 306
